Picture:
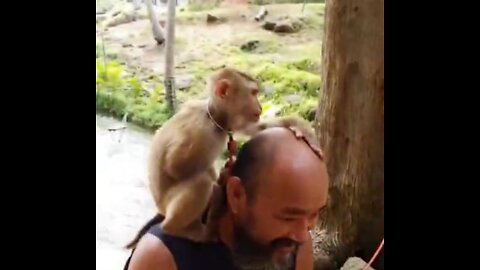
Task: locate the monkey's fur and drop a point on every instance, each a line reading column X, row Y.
column 183, row 151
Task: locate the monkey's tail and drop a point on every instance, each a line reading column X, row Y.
column 156, row 219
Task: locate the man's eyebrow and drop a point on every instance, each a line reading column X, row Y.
column 294, row 211
column 299, row 211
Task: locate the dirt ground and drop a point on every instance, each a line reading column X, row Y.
column 200, row 41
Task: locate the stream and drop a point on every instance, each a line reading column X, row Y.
column 123, row 201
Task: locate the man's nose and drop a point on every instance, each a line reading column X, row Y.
column 301, row 232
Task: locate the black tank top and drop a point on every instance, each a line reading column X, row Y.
column 189, row 255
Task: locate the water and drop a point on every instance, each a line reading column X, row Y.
column 123, row 202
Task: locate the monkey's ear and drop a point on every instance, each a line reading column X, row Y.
column 221, row 88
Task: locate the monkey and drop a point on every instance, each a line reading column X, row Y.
column 181, row 170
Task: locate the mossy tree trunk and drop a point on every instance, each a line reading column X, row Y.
column 351, row 126
column 169, row 60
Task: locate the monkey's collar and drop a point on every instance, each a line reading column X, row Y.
column 229, row 132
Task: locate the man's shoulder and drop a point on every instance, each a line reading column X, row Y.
column 151, row 253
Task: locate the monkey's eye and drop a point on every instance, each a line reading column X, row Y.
column 254, row 92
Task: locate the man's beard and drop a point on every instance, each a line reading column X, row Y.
column 249, row 254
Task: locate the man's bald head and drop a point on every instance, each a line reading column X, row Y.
column 269, row 151
column 278, row 187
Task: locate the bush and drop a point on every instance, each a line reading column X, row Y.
column 119, row 93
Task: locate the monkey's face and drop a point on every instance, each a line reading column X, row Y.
column 241, row 102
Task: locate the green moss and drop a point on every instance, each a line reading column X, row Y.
column 288, row 80
column 304, row 64
column 303, row 108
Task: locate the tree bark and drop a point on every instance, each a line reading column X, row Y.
column 156, row 28
column 169, row 61
column 351, row 127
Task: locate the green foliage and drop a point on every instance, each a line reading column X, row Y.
column 288, row 80
column 109, row 76
column 303, row 108
column 118, row 93
column 136, row 87
column 155, row 96
column 111, row 103
column 305, row 64
column 149, row 114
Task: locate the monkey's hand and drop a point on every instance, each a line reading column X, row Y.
column 299, row 135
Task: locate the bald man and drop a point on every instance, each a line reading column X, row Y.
column 273, row 196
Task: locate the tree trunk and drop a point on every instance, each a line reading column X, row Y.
column 156, row 28
column 351, row 126
column 169, row 61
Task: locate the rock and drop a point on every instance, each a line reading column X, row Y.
column 261, row 14
column 284, row 27
column 355, row 263
column 293, row 98
column 269, row 26
column 184, row 82
column 268, row 89
column 288, row 26
column 250, row 46
column 212, row 19
column 120, row 15
column 121, row 18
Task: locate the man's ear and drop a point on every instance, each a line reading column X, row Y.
column 236, row 195
column 221, row 88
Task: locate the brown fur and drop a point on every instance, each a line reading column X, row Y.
column 183, row 151
column 285, row 121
